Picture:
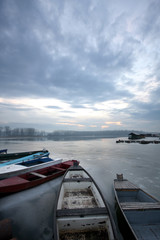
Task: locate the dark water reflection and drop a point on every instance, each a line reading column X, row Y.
column 32, row 210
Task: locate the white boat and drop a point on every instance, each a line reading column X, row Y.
column 80, row 211
column 27, row 166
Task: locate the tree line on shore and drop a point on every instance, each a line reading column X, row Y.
column 20, row 132
column 32, row 132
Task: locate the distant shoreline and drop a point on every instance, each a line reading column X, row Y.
column 69, row 137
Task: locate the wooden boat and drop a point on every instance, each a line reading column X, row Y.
column 80, row 211
column 26, row 166
column 23, row 159
column 137, row 211
column 3, row 151
column 4, row 156
column 33, row 178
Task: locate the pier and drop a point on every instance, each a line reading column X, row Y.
column 138, row 141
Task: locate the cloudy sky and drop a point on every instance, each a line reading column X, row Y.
column 80, row 64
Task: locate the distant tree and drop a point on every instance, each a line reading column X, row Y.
column 7, row 131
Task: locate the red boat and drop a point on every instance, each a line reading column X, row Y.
column 32, row 179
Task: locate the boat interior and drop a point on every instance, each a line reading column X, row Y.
column 78, row 191
column 85, row 228
column 35, row 162
column 142, row 212
column 76, row 174
column 81, row 212
column 42, row 173
column 146, row 223
column 136, row 195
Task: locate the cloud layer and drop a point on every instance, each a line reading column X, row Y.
column 84, row 63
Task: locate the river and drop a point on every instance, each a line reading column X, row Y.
column 31, row 211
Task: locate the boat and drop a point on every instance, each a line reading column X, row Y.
column 27, row 166
column 24, row 159
column 4, row 156
column 80, row 209
column 33, row 178
column 138, row 212
column 3, row 151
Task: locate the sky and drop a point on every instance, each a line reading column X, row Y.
column 80, row 65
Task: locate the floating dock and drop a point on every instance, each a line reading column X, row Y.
column 138, row 141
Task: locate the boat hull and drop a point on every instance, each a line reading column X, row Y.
column 80, row 211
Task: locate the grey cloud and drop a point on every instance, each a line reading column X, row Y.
column 151, row 21
column 53, row 107
column 78, row 106
column 15, row 107
column 26, row 66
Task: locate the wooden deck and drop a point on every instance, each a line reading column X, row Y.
column 124, row 184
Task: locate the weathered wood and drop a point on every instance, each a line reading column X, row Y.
column 139, row 205
column 38, row 174
column 124, row 184
column 81, row 212
column 77, row 180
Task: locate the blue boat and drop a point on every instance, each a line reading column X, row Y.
column 24, row 159
column 5, row 156
column 138, row 212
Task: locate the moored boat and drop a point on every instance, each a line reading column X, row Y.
column 33, row 178
column 137, row 211
column 4, row 156
column 26, row 166
column 26, row 158
column 80, row 211
column 3, row 151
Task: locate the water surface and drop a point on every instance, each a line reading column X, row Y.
column 32, row 210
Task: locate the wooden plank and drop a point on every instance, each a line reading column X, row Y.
column 38, row 174
column 139, row 205
column 58, row 168
column 77, row 180
column 124, row 184
column 81, row 212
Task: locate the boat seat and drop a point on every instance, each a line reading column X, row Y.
column 58, row 168
column 140, row 205
column 77, row 180
column 38, row 174
column 81, row 212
